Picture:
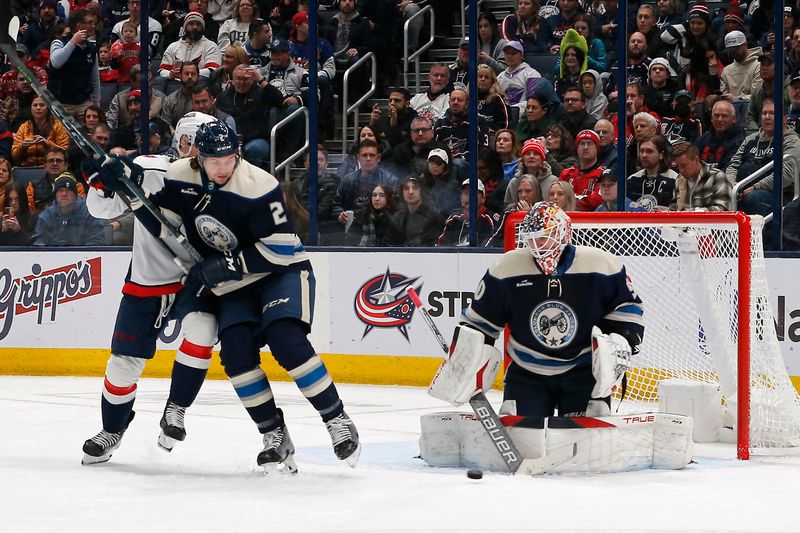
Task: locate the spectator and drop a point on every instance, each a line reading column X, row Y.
column 124, row 53
column 560, row 146
column 459, row 71
column 222, row 78
column 646, row 25
column 645, row 126
column 415, row 223
column 153, row 136
column 519, row 80
column 259, row 37
column 154, row 29
column 412, row 154
column 792, row 56
column 124, row 134
column 562, row 193
column 533, row 162
column 355, row 189
column 596, row 49
column 40, row 193
column 691, row 39
column 204, row 102
column 716, row 147
column 699, row 187
column 118, row 108
column 507, row 146
column 591, row 84
column 608, row 192
column 739, row 77
column 681, row 124
column 248, row 104
column 654, row 186
column 607, row 154
column 537, row 119
column 351, row 36
column 577, row 119
column 192, row 47
column 5, row 176
column 764, row 87
column 572, row 62
column 490, row 43
column 605, row 27
column 661, row 87
column 669, row 12
column 74, row 76
column 236, row 29
column 637, row 68
column 6, row 139
column 36, row 32
column 18, row 222
column 453, row 128
column 372, row 224
column 179, row 102
column 67, row 222
column 395, row 123
column 407, row 9
column 456, row 227
column 527, row 193
column 491, row 106
column 174, row 28
column 701, row 75
column 490, row 172
column 35, row 136
column 524, row 25
column 93, row 116
column 793, row 109
column 350, row 162
column 634, row 104
column 439, row 185
column 583, row 175
column 433, row 103
column 554, row 27
column 101, row 135
column 767, row 41
column 8, row 81
column 755, row 152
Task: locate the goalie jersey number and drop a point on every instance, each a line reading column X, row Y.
column 553, row 323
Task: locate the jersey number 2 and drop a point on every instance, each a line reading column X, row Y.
column 278, row 216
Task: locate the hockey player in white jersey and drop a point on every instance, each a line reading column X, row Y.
column 153, row 283
column 261, row 281
column 557, row 304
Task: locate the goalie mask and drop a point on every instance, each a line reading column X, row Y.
column 546, row 231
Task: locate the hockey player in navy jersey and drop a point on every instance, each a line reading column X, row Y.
column 148, row 296
column 261, row 282
column 558, row 300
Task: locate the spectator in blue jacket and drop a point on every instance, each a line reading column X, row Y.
column 67, row 222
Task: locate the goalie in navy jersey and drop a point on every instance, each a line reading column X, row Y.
column 558, row 300
column 260, row 280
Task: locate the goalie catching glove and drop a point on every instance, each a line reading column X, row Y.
column 470, row 368
column 105, row 174
column 611, row 358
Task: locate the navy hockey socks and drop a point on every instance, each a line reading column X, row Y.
column 116, row 405
column 188, row 372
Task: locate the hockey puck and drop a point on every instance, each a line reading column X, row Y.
column 475, row 474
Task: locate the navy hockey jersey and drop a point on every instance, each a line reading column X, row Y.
column 550, row 318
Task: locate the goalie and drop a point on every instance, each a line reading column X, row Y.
column 573, row 317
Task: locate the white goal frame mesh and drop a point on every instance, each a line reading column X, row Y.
column 689, row 270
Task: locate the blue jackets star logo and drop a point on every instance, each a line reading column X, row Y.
column 382, row 302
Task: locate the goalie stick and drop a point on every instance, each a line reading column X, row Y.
column 9, row 27
column 491, row 423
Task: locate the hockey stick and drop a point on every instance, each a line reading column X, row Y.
column 86, row 144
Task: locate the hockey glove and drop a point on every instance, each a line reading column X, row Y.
column 217, row 269
column 106, row 174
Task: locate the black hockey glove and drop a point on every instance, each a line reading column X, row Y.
column 105, row 175
column 217, row 269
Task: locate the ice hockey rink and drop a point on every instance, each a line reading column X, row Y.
column 210, row 482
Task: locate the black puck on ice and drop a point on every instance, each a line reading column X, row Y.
column 475, row 474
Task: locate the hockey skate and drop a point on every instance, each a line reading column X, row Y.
column 99, row 448
column 172, row 428
column 278, row 452
column 344, row 437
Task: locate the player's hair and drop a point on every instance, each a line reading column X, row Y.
column 688, row 149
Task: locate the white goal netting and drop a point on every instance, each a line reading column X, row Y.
column 687, row 277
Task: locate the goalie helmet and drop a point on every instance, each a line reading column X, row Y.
column 546, row 230
column 216, row 139
column 186, row 130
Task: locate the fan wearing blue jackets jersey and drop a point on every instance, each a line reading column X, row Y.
column 260, row 280
column 553, row 296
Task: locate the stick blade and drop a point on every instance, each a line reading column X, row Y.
column 13, row 29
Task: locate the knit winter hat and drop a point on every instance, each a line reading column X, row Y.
column 66, row 180
column 533, row 145
column 702, row 12
column 735, row 13
column 194, row 16
column 588, row 135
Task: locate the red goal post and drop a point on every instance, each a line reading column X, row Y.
column 691, row 269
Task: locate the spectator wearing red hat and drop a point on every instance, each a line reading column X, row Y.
column 584, row 176
column 532, row 162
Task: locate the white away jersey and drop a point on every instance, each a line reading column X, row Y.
column 550, row 318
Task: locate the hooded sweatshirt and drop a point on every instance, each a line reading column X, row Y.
column 739, row 78
column 598, row 102
column 757, row 150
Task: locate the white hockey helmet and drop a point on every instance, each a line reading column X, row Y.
column 185, row 131
column 546, row 230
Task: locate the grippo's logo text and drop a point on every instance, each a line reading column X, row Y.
column 46, row 290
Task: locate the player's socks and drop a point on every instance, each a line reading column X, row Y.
column 116, row 406
column 315, row 383
column 188, row 372
column 254, row 391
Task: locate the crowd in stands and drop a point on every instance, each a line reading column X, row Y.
column 699, row 109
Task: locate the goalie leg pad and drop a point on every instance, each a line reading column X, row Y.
column 701, row 401
column 611, row 356
column 471, row 367
column 672, row 441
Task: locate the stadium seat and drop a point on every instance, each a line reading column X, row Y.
column 513, row 116
column 543, row 63
column 107, row 92
column 25, row 175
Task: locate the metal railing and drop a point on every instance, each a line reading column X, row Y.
column 464, row 16
column 415, row 56
column 273, row 145
column 345, row 96
column 755, row 177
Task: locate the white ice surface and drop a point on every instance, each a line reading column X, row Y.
column 210, row 482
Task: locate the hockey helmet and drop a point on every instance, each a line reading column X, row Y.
column 186, row 130
column 546, row 230
column 216, row 139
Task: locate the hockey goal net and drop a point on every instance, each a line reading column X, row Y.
column 702, row 281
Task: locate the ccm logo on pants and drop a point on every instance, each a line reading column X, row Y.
column 273, row 303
